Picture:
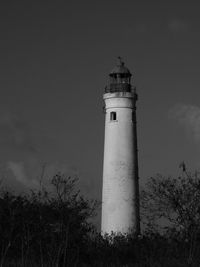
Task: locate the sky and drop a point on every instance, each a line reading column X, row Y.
column 55, row 58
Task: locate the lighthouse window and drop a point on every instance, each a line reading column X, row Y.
column 113, row 116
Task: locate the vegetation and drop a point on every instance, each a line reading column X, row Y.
column 172, row 207
column 54, row 228
column 47, row 229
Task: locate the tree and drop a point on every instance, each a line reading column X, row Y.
column 45, row 228
column 72, row 212
column 173, row 205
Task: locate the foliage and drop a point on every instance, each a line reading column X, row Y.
column 52, row 228
column 46, row 228
column 177, row 200
column 173, row 206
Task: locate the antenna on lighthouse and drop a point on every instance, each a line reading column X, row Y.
column 120, row 62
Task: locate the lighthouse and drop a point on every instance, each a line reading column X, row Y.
column 120, row 192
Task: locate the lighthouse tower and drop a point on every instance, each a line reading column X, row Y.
column 120, row 195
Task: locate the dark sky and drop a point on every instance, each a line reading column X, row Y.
column 55, row 57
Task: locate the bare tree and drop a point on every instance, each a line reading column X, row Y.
column 174, row 204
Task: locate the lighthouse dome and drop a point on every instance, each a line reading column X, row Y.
column 120, row 69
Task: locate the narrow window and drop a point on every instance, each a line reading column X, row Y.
column 113, row 116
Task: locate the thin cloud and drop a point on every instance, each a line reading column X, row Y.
column 189, row 117
column 19, row 172
column 16, row 133
column 178, row 25
column 31, row 173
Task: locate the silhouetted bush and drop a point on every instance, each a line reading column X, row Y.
column 53, row 229
column 45, row 228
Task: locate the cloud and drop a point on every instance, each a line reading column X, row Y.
column 16, row 133
column 189, row 117
column 31, row 173
column 178, row 25
column 19, row 172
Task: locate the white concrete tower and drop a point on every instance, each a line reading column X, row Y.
column 120, row 195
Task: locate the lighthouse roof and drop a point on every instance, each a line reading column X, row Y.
column 120, row 69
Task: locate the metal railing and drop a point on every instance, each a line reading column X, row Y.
column 118, row 87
